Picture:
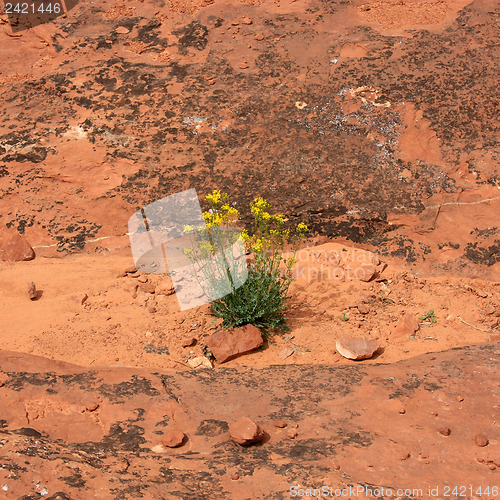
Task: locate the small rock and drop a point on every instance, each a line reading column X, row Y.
column 489, row 309
column 363, row 308
column 147, row 287
column 281, row 424
column 245, row 431
column 406, row 326
column 235, row 477
column 228, row 344
column 164, row 289
column 246, row 20
column 460, row 399
column 122, row 30
column 188, row 341
column 235, row 23
column 365, row 273
column 142, row 279
column 445, row 431
column 404, row 456
column 243, row 65
column 173, row 438
column 357, row 348
column 131, row 270
column 402, row 411
column 200, row 362
column 259, row 37
column 92, row 406
column 292, row 433
column 32, row 293
column 286, row 352
column 152, row 309
column 481, row 440
column 14, row 248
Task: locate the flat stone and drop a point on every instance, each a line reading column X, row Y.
column 200, row 362
column 357, row 348
column 147, row 287
column 164, row 289
column 245, row 431
column 406, row 327
column 286, row 352
column 365, row 273
column 14, row 248
column 228, row 344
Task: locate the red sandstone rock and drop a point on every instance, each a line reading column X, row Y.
column 445, row 431
column 292, row 433
column 173, row 438
column 164, row 289
column 365, row 273
column 481, row 440
column 15, row 248
column 363, row 308
column 147, row 288
column 357, row 348
column 188, row 341
column 32, row 293
column 229, row 344
column 286, row 352
column 245, row 431
column 280, row 424
column 406, row 326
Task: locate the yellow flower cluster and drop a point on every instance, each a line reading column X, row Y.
column 215, row 197
column 302, row 228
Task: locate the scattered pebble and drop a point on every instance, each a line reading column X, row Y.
column 445, row 431
column 259, row 37
column 244, row 65
column 292, row 433
column 246, row 20
column 280, row 424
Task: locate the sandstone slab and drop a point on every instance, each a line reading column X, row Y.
column 357, row 348
column 229, row 344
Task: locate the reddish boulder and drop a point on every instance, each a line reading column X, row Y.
column 229, row 344
column 406, row 326
column 357, row 347
column 15, row 248
column 245, row 431
column 173, row 438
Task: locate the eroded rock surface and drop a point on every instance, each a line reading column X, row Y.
column 79, row 430
column 370, row 120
